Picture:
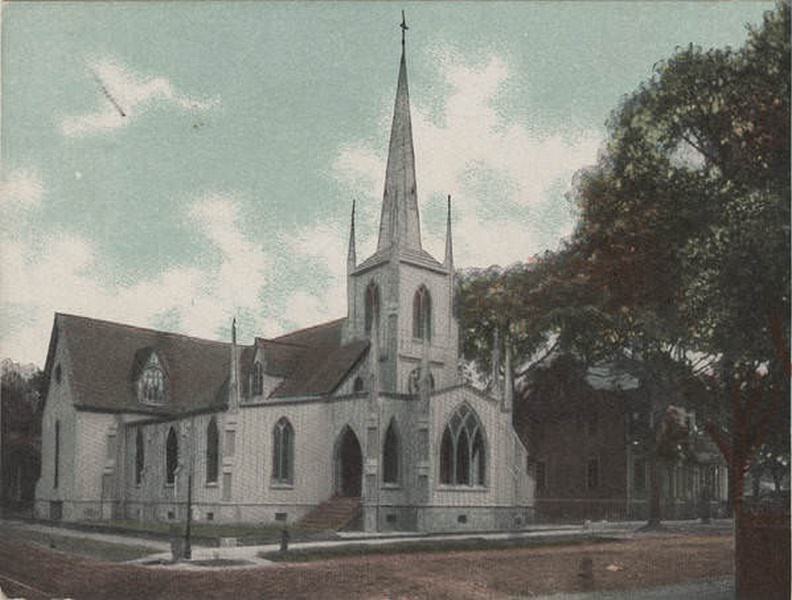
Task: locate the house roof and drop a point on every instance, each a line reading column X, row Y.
column 107, row 358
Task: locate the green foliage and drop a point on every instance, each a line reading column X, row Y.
column 679, row 266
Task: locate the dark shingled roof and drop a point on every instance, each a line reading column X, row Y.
column 312, row 361
column 107, row 357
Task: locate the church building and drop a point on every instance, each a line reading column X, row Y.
column 362, row 421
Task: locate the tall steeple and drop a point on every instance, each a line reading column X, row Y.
column 399, row 223
column 449, row 246
column 352, row 252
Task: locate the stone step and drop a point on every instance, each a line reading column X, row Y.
column 332, row 514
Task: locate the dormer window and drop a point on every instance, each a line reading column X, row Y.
column 151, row 385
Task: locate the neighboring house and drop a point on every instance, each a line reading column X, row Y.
column 587, row 430
column 369, row 406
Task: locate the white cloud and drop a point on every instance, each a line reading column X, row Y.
column 490, row 165
column 322, row 248
column 21, row 188
column 122, row 96
column 57, row 273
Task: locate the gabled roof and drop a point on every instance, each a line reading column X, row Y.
column 311, row 361
column 105, row 359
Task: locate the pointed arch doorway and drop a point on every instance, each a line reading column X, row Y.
column 348, row 464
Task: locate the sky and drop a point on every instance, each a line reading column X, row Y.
column 248, row 129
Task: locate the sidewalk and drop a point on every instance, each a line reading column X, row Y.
column 124, row 540
column 549, row 533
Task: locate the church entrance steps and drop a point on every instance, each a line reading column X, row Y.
column 333, row 514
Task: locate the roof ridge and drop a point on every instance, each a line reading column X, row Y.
column 304, row 329
column 142, row 329
column 280, row 343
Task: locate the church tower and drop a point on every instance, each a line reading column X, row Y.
column 401, row 290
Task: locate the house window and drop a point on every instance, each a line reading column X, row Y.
column 592, row 474
column 541, row 476
column 56, row 474
column 258, row 379
column 151, row 385
column 422, row 314
column 462, row 452
column 283, row 452
column 140, row 457
column 372, row 305
column 171, row 456
column 390, row 455
column 358, row 386
column 212, row 451
column 639, row 475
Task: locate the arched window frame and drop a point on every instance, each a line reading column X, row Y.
column 372, row 306
column 422, row 314
column 391, row 455
column 463, row 450
column 171, row 456
column 359, row 385
column 258, row 378
column 212, row 452
column 283, row 452
column 152, row 382
column 56, row 456
column 140, row 456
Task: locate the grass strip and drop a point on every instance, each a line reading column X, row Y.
column 428, row 545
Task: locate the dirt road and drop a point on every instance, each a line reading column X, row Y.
column 27, row 569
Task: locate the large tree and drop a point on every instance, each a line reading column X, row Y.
column 679, row 265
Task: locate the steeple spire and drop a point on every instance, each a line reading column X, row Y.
column 351, row 252
column 449, row 247
column 399, row 222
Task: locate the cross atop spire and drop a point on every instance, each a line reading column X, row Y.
column 399, row 222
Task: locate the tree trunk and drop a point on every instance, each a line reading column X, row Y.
column 654, row 489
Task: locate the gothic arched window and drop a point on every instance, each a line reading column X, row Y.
column 140, row 456
column 372, row 306
column 422, row 314
column 463, row 458
column 390, row 455
column 151, row 385
column 171, row 456
column 212, row 451
column 258, row 379
column 56, row 454
column 283, row 452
